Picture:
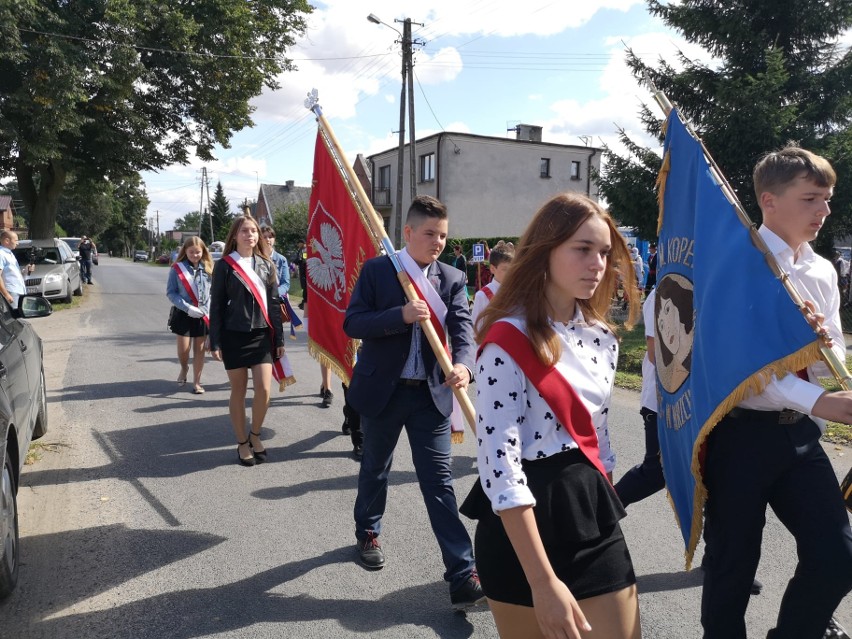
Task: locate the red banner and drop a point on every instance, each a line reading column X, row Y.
column 338, row 245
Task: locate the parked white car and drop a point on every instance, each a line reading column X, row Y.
column 56, row 273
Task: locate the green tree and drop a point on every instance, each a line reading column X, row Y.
column 220, row 211
column 778, row 77
column 86, row 207
column 291, row 225
column 129, row 204
column 95, row 89
column 188, row 222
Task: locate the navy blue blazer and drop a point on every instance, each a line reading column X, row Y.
column 375, row 317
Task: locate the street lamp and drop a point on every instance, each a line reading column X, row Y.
column 407, row 75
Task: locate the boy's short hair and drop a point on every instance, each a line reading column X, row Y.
column 502, row 254
column 777, row 169
column 423, row 207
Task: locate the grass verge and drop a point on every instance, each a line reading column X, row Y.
column 629, row 376
column 37, row 450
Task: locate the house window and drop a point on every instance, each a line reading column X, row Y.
column 384, row 177
column 545, row 167
column 575, row 170
column 427, row 167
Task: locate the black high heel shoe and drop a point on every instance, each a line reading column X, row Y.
column 259, row 455
column 245, row 461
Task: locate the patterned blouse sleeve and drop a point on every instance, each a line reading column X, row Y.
column 501, row 406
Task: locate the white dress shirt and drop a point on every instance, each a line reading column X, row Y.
column 480, row 300
column 515, row 421
column 816, row 280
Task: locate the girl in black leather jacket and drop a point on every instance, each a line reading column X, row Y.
column 242, row 335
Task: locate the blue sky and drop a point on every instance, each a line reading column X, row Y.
column 486, row 66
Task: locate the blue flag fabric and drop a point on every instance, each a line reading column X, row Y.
column 724, row 322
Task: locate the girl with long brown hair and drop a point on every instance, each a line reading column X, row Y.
column 549, row 550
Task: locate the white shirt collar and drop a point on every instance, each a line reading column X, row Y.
column 783, row 251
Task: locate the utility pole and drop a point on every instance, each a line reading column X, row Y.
column 407, row 43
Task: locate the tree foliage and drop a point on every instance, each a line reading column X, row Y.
column 220, row 212
column 291, row 225
column 778, row 76
column 95, row 89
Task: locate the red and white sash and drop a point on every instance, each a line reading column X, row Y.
column 487, row 292
column 554, row 388
column 281, row 369
column 185, row 277
column 437, row 317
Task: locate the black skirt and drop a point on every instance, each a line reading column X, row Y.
column 182, row 324
column 577, row 513
column 244, row 350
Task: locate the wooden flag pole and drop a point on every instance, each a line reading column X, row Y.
column 837, row 367
column 378, row 230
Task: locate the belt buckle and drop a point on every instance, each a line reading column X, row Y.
column 789, row 416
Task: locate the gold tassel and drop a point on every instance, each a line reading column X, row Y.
column 457, row 437
column 325, row 358
column 284, row 383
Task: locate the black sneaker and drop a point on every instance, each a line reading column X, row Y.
column 371, row 553
column 834, row 631
column 327, row 396
column 470, row 594
column 358, row 452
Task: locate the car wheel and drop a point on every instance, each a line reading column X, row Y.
column 40, row 429
column 79, row 290
column 67, row 298
column 8, row 529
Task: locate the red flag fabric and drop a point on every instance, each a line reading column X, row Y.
column 338, row 244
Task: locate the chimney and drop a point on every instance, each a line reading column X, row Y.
column 528, row 133
column 289, row 184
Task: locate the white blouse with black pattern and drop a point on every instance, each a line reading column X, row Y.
column 514, row 422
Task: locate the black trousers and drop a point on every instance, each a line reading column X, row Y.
column 646, row 478
column 352, row 419
column 753, row 461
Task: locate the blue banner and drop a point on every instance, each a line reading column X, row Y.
column 724, row 323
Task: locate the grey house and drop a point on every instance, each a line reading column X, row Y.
column 274, row 198
column 492, row 186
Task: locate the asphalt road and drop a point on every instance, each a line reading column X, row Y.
column 137, row 521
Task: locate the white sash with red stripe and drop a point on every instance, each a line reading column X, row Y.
column 437, row 317
column 281, row 369
column 188, row 281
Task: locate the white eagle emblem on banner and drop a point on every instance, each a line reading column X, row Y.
column 327, row 270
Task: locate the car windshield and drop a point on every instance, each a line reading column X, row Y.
column 48, row 255
column 73, row 242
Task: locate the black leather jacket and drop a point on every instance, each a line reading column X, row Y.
column 233, row 307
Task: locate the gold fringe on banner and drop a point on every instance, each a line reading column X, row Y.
column 457, row 437
column 327, row 359
column 754, row 385
column 661, row 187
column 284, row 383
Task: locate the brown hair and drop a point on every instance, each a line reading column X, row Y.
column 523, row 290
column 423, row 207
column 206, row 261
column 776, row 170
column 501, row 254
column 261, row 249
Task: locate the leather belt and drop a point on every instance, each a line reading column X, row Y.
column 775, row 416
column 411, row 382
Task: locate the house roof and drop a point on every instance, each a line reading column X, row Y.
column 280, row 196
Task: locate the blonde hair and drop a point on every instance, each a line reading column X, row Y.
column 523, row 290
column 206, row 261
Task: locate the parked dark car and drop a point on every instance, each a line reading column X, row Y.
column 23, row 417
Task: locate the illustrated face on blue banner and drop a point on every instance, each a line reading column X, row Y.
column 675, row 321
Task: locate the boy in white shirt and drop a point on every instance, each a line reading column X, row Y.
column 499, row 261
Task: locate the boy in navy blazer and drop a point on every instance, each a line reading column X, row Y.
column 398, row 383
